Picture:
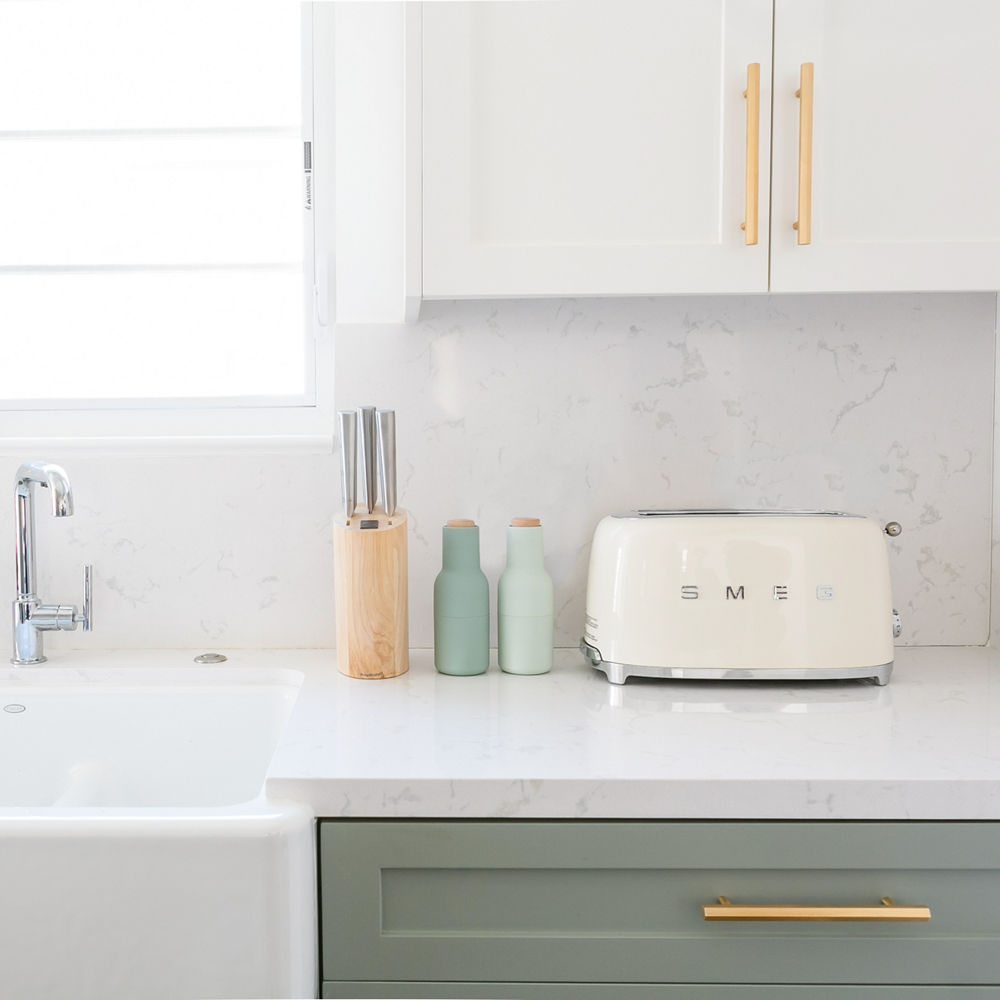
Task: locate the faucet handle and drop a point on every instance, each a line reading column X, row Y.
column 86, row 616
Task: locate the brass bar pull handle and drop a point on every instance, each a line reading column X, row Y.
column 752, row 95
column 805, row 96
column 887, row 910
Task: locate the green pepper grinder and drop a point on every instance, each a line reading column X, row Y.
column 524, row 605
column 461, row 604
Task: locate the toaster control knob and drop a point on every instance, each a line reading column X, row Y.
column 897, row 624
column 894, row 529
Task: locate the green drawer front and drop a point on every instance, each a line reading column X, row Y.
column 647, row 991
column 609, row 902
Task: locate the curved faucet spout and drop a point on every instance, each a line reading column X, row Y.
column 54, row 478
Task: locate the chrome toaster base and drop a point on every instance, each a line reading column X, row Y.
column 618, row 673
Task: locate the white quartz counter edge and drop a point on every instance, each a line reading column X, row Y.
column 568, row 745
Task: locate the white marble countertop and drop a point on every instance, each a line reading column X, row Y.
column 570, row 745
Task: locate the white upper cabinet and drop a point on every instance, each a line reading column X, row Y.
column 905, row 165
column 605, row 147
column 594, row 147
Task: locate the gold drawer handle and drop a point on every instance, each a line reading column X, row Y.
column 805, row 96
column 752, row 95
column 887, row 910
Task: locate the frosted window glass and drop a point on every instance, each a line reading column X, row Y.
column 151, row 217
column 183, row 200
column 109, row 64
column 227, row 333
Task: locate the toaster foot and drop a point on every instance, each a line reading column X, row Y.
column 882, row 674
column 617, row 673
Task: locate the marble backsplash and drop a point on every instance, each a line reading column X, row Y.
column 567, row 410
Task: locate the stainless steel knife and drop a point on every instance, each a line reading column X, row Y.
column 387, row 458
column 369, row 472
column 348, row 422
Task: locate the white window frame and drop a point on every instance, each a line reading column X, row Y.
column 244, row 423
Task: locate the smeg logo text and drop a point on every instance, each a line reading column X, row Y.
column 779, row 592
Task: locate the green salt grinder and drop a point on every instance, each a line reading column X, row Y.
column 461, row 604
column 524, row 604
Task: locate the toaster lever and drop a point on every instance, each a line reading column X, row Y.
column 897, row 624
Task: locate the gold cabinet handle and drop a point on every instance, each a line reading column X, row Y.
column 752, row 95
column 805, row 96
column 886, row 910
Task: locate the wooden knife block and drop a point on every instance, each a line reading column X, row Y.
column 371, row 595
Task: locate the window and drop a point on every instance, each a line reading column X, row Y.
column 156, row 241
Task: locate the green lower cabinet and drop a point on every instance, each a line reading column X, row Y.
column 649, row 991
column 614, row 909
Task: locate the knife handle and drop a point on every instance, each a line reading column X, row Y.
column 387, row 458
column 348, row 425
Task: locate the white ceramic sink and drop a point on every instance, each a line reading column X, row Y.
column 139, row 737
column 139, row 852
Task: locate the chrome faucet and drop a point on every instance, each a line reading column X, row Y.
column 31, row 617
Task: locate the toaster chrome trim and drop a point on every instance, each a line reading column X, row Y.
column 722, row 512
column 618, row 673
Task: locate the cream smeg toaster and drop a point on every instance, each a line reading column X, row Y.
column 739, row 594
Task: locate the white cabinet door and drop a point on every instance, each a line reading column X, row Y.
column 906, row 145
column 593, row 147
